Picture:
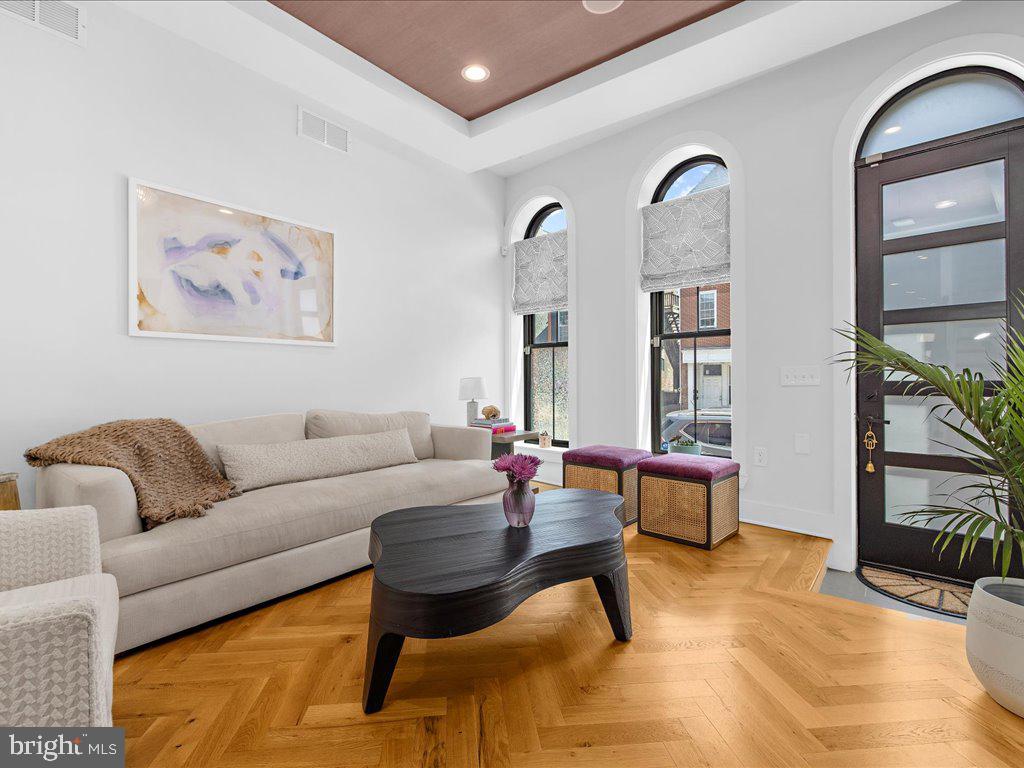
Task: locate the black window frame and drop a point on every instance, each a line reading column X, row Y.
column 658, row 331
column 532, row 230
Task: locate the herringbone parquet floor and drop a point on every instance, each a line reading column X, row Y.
column 735, row 661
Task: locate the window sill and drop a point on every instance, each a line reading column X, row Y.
column 550, row 471
column 554, row 453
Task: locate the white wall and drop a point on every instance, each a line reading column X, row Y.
column 417, row 257
column 779, row 134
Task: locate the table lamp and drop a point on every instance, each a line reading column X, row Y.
column 470, row 389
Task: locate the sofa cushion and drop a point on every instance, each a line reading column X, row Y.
column 689, row 466
column 606, row 456
column 281, row 517
column 321, row 423
column 257, row 466
column 275, row 428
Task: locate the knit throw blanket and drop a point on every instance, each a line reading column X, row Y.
column 172, row 476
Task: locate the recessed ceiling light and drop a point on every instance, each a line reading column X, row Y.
column 903, row 222
column 225, row 210
column 893, row 284
column 892, row 129
column 981, row 336
column 476, row 73
column 910, row 293
column 922, row 257
column 945, row 203
column 601, row 6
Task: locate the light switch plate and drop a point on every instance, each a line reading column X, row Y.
column 802, row 443
column 800, row 375
column 760, row 457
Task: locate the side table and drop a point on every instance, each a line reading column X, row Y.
column 9, row 491
column 505, row 442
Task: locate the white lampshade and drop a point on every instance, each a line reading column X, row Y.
column 472, row 388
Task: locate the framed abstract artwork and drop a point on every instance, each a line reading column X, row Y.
column 203, row 269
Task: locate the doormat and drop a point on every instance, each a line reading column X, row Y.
column 933, row 594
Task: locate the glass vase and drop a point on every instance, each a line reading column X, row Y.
column 518, row 502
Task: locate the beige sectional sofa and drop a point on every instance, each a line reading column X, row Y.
column 271, row 541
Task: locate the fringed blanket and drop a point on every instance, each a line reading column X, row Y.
column 172, row 476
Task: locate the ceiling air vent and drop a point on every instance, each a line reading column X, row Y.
column 321, row 131
column 66, row 20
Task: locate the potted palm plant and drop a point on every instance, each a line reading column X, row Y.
column 991, row 503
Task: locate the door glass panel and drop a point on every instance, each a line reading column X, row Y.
column 957, row 343
column 915, row 427
column 675, row 388
column 908, row 490
column 957, row 274
column 713, row 372
column 965, row 197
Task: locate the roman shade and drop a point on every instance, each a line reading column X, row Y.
column 541, row 274
column 686, row 241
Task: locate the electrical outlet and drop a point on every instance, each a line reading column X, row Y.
column 802, row 443
column 800, row 375
column 760, row 457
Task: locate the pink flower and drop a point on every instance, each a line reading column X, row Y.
column 518, row 466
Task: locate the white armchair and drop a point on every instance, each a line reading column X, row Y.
column 58, row 620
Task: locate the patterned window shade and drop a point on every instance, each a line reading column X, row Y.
column 542, row 274
column 686, row 241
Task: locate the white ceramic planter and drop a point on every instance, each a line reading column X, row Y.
column 995, row 639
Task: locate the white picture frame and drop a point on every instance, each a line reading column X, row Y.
column 134, row 185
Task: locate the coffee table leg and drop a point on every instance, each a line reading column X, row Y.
column 382, row 650
column 613, row 587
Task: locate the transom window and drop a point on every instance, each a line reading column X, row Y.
column 950, row 103
column 546, row 351
column 691, row 381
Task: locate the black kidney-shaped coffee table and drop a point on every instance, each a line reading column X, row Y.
column 448, row 571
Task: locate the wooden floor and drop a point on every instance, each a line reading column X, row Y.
column 735, row 661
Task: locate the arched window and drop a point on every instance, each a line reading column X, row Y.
column 691, row 361
column 940, row 215
column 945, row 105
column 546, row 351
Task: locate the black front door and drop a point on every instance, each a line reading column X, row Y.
column 939, row 260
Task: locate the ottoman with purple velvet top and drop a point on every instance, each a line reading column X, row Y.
column 605, row 468
column 691, row 499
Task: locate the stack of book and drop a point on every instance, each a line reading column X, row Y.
column 497, row 426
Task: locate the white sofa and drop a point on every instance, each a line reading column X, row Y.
column 266, row 542
column 58, row 620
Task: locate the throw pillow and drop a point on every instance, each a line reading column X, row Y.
column 257, row 466
column 321, row 423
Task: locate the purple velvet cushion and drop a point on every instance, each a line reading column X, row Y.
column 690, row 466
column 606, row 456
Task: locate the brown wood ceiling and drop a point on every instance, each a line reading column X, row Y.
column 526, row 44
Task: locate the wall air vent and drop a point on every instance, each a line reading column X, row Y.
column 321, row 131
column 65, row 20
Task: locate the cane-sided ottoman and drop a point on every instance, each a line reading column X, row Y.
column 690, row 499
column 605, row 468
